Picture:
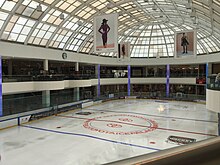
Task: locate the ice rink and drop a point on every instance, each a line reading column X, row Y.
column 106, row 132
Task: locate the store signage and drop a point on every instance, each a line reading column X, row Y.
column 180, row 140
column 64, row 55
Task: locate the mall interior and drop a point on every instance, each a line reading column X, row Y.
column 48, row 57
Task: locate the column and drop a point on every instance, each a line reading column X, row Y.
column 207, row 73
column 145, row 71
column 46, row 65
column 46, row 98
column 46, row 94
column 76, row 94
column 1, row 109
column 97, row 72
column 168, row 81
column 129, row 80
column 209, row 68
column 76, row 89
column 77, row 67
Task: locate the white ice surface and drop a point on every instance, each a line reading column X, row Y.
column 115, row 130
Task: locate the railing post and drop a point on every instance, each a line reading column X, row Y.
column 19, row 121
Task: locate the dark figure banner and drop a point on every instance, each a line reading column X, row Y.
column 106, row 33
column 185, row 44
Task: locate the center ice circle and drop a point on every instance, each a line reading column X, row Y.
column 121, row 124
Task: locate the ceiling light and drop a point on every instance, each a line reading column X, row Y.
column 161, row 14
column 195, row 21
column 109, row 6
column 193, row 13
column 39, row 8
column 154, row 7
column 61, row 16
column 80, row 23
column 188, row 6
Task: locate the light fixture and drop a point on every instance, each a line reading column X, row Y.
column 39, row 8
column 109, row 6
column 193, row 13
column 195, row 21
column 61, row 16
column 188, row 5
column 161, row 14
column 154, row 7
column 80, row 23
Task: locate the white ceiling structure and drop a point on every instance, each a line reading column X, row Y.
column 149, row 25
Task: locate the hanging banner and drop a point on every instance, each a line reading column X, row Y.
column 106, row 33
column 185, row 44
column 124, row 51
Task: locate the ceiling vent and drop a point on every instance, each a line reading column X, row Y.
column 39, row 8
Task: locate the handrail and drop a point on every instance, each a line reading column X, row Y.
column 203, row 152
column 61, row 77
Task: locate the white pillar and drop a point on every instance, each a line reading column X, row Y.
column 77, row 67
column 46, row 64
column 76, row 90
column 210, row 69
column 76, row 94
column 145, row 71
column 97, row 74
column 46, row 98
column 46, row 94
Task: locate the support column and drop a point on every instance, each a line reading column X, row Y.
column 168, row 81
column 46, row 94
column 129, row 80
column 1, row 109
column 209, row 68
column 46, row 98
column 145, row 71
column 77, row 67
column 76, row 90
column 76, row 94
column 207, row 74
column 46, row 65
column 98, row 76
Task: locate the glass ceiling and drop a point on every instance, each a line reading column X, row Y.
column 149, row 25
